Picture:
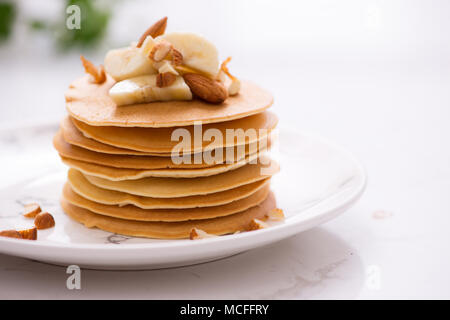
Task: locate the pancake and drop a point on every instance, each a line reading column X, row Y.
column 159, row 139
column 131, row 212
column 119, row 174
column 89, row 191
column 67, row 150
column 91, row 104
column 70, row 151
column 183, row 187
column 74, row 136
column 170, row 230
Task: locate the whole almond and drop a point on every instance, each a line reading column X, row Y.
column 165, row 79
column 29, row 234
column 205, row 88
column 11, row 234
column 44, row 220
column 157, row 29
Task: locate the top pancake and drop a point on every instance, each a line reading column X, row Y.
column 91, row 104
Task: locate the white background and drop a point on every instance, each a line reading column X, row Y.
column 374, row 76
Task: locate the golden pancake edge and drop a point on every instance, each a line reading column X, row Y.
column 84, row 188
column 90, row 103
column 170, row 230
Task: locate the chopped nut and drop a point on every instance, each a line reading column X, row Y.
column 165, row 79
column 160, row 51
column 99, row 75
column 155, row 30
column 31, row 210
column 235, row 85
column 29, row 234
column 102, row 75
column 205, row 88
column 165, row 66
column 200, row 234
column 276, row 214
column 11, row 234
column 147, row 46
column 221, row 77
column 177, row 57
column 44, row 220
column 257, row 224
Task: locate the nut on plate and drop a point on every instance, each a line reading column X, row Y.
column 44, row 220
column 29, row 234
column 11, row 234
column 276, row 214
column 257, row 224
column 31, row 210
column 197, row 234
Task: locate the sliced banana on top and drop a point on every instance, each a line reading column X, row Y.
column 144, row 89
column 198, row 53
column 137, row 69
column 129, row 62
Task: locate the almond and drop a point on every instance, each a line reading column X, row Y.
column 177, row 57
column 31, row 210
column 11, row 234
column 205, row 88
column 102, row 75
column 160, row 51
column 98, row 75
column 29, row 234
column 44, row 220
column 165, row 79
column 157, row 29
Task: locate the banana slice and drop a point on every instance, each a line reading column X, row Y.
column 129, row 62
column 198, row 53
column 143, row 89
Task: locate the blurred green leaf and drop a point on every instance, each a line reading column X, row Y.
column 7, row 16
column 38, row 25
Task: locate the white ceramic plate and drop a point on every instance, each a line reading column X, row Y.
column 318, row 181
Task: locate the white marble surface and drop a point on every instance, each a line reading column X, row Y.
column 372, row 75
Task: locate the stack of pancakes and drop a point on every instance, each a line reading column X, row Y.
column 123, row 178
